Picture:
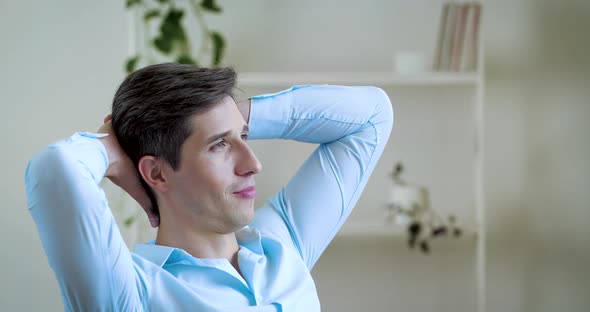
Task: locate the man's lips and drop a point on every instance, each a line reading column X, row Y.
column 248, row 193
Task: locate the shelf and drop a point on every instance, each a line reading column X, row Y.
column 385, row 230
column 279, row 79
column 371, row 229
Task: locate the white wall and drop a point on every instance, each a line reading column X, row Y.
column 538, row 173
column 61, row 61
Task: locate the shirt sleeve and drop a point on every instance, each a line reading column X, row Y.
column 351, row 126
column 92, row 264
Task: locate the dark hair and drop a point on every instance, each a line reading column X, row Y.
column 152, row 109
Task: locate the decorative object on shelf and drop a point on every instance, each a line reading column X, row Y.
column 171, row 40
column 457, row 43
column 410, row 207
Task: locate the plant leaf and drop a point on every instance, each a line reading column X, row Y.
column 131, row 64
column 171, row 25
column 163, row 44
column 163, row 1
column 210, row 5
column 218, row 47
column 186, row 59
column 172, row 34
column 131, row 3
column 151, row 14
column 129, row 221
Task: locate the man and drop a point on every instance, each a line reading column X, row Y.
column 177, row 143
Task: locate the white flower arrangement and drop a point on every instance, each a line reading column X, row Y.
column 410, row 207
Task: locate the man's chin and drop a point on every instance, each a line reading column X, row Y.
column 249, row 217
column 244, row 218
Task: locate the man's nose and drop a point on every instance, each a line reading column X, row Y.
column 247, row 162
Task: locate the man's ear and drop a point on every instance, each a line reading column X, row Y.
column 153, row 172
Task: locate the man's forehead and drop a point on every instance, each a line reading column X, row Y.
column 221, row 117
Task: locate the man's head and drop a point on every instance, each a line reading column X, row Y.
column 164, row 116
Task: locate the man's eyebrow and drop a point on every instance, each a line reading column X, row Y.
column 218, row 136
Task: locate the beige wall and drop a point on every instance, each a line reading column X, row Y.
column 60, row 63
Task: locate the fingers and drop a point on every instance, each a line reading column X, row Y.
column 154, row 220
column 106, row 127
column 140, row 195
column 128, row 179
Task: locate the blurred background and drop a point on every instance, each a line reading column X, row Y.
column 61, row 62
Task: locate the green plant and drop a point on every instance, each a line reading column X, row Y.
column 171, row 40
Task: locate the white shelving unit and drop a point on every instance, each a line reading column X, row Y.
column 253, row 79
column 387, row 230
column 472, row 80
column 379, row 228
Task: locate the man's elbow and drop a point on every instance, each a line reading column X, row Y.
column 383, row 114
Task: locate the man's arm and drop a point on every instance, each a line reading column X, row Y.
column 352, row 126
column 92, row 264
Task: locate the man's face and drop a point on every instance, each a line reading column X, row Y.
column 214, row 183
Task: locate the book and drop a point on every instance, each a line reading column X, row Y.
column 448, row 34
column 440, row 38
column 458, row 37
column 470, row 45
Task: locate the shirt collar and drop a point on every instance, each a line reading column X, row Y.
column 247, row 237
column 155, row 253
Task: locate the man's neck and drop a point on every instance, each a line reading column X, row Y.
column 199, row 244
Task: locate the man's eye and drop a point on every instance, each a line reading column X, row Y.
column 245, row 136
column 219, row 146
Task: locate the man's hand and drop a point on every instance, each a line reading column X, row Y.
column 123, row 173
column 244, row 108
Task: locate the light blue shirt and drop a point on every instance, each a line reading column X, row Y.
column 96, row 271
